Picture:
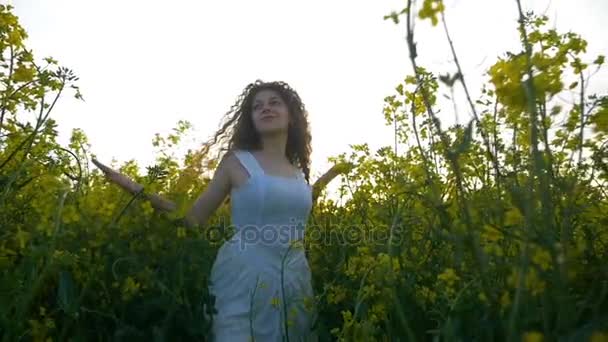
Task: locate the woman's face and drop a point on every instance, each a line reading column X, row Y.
column 269, row 112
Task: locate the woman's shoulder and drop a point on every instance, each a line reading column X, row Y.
column 233, row 152
column 236, row 151
column 230, row 159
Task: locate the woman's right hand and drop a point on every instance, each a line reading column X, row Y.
column 117, row 177
column 126, row 183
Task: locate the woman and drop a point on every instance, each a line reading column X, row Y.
column 260, row 278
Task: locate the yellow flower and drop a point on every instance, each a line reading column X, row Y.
column 369, row 291
column 491, row 234
column 129, row 288
column 274, row 302
column 427, row 294
column 513, row 217
column 531, row 280
column 482, row 297
column 309, row 303
column 69, row 214
column 542, row 258
column 389, row 264
column 22, row 237
column 379, row 309
column 107, row 208
column 147, row 208
column 581, row 245
column 448, row 276
column 49, row 323
column 347, row 317
column 599, row 336
column 430, row 9
column 534, row 283
column 493, row 249
column 336, row 294
column 533, row 336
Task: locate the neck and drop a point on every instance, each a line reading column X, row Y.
column 274, row 145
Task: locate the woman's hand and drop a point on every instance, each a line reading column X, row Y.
column 126, row 183
column 118, row 178
column 328, row 176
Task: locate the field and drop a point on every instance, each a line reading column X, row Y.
column 495, row 230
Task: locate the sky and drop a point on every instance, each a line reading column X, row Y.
column 145, row 65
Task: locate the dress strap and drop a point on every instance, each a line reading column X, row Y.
column 249, row 162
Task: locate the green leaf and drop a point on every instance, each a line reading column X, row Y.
column 23, row 74
column 466, row 139
column 555, row 110
column 393, row 16
column 600, row 120
column 599, row 60
column 50, row 60
column 400, row 89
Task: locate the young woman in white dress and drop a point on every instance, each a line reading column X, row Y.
column 260, row 279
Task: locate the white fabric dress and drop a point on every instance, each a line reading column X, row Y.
column 260, row 279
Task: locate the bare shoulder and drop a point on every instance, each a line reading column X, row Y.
column 229, row 160
column 231, row 166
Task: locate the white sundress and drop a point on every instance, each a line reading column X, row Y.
column 260, row 279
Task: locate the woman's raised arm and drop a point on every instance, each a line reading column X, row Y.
column 328, row 176
column 203, row 207
column 129, row 185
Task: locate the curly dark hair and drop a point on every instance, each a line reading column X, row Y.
column 238, row 132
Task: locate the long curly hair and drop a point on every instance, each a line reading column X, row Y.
column 237, row 130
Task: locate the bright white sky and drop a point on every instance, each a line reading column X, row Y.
column 144, row 65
